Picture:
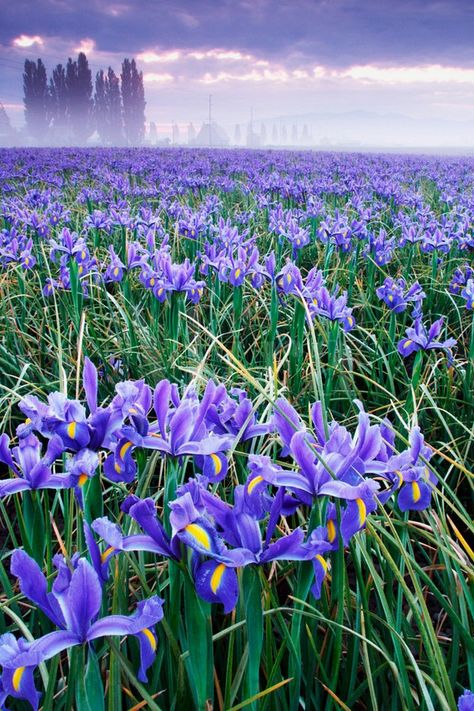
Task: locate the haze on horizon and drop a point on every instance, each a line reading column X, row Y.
column 362, row 74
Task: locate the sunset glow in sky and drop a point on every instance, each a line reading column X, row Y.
column 413, row 58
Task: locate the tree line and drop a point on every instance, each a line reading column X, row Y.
column 68, row 109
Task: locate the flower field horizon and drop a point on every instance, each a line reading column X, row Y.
column 237, row 430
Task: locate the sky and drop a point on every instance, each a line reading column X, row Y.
column 362, row 72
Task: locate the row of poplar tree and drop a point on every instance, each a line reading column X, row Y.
column 66, row 110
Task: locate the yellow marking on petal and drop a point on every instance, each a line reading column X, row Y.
column 362, row 511
column 216, row 577
column 280, row 282
column 116, row 271
column 83, row 254
column 71, row 429
column 81, row 269
column 400, row 477
column 28, row 421
column 288, row 278
column 322, row 561
column 160, row 291
column 416, row 491
column 16, row 679
column 124, row 449
column 150, row 637
column 82, row 479
column 407, row 343
column 237, row 273
column 217, row 463
column 315, row 301
column 253, row 483
column 117, row 467
column 106, row 554
column 350, row 320
column 331, row 531
column 390, row 297
column 199, row 534
column 152, row 281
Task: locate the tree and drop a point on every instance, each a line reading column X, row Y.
column 7, row 133
column 79, row 97
column 58, row 104
column 35, row 87
column 152, row 133
column 114, row 107
column 133, row 101
column 100, row 107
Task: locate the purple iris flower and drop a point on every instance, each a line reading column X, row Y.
column 468, row 294
column 466, row 701
column 209, row 526
column 419, row 338
column 437, row 239
column 84, row 435
column 114, row 271
column 235, row 269
column 180, row 278
column 234, row 414
column 411, row 476
column 73, row 605
column 382, row 247
column 332, row 307
column 460, row 278
column 335, row 464
column 289, row 279
column 27, row 259
column 397, row 297
column 262, row 273
column 32, row 471
column 182, row 430
column 117, row 542
column 69, row 244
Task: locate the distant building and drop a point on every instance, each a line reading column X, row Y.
column 216, row 137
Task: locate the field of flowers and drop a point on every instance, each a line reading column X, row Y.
column 237, row 399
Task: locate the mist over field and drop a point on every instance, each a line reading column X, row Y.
column 320, row 74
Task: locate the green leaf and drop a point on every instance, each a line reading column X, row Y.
column 89, row 687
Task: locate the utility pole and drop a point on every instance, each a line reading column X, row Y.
column 210, row 120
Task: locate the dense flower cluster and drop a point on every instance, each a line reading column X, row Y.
column 350, row 474
column 289, row 262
